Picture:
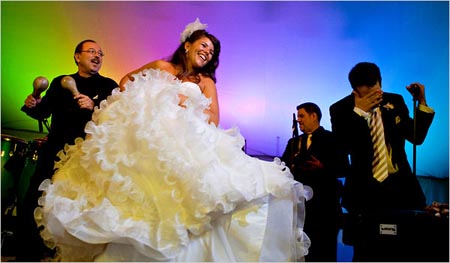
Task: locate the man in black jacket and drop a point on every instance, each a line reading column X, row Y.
column 314, row 161
column 398, row 189
column 69, row 114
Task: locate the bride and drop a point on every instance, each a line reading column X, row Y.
column 158, row 180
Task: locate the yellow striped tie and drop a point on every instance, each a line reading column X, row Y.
column 379, row 162
column 308, row 141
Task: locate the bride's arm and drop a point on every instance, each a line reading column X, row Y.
column 209, row 90
column 158, row 64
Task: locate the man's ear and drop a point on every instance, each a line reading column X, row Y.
column 356, row 93
column 77, row 57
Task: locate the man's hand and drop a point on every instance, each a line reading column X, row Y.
column 418, row 91
column 31, row 102
column 369, row 101
column 311, row 164
column 84, row 102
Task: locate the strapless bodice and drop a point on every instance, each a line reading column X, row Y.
column 190, row 89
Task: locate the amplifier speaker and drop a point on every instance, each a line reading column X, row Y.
column 413, row 236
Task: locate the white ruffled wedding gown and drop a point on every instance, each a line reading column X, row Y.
column 154, row 181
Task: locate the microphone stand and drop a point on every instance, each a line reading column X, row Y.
column 414, row 134
column 294, row 135
column 294, row 126
column 42, row 122
column 41, row 129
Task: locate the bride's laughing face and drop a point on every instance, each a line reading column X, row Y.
column 200, row 52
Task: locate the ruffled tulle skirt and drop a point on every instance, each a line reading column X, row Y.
column 154, row 181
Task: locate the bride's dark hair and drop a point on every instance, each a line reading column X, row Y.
column 209, row 70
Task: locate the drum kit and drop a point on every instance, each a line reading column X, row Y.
column 19, row 159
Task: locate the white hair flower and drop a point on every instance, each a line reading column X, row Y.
column 191, row 28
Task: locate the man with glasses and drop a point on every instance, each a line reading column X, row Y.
column 69, row 114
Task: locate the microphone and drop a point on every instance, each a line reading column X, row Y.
column 415, row 90
column 294, row 126
column 68, row 83
column 40, row 84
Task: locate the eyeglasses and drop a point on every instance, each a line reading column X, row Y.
column 94, row 52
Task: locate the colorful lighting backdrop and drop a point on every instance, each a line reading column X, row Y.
column 275, row 56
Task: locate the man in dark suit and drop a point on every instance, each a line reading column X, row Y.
column 399, row 189
column 314, row 161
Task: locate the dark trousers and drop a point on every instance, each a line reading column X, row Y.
column 32, row 247
column 323, row 246
column 322, row 229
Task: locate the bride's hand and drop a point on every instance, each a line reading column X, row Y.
column 182, row 100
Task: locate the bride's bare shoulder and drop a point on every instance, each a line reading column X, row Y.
column 161, row 64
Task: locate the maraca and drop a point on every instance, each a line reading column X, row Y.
column 40, row 84
column 68, row 82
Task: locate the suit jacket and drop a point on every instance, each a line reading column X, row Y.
column 325, row 203
column 401, row 190
column 67, row 119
